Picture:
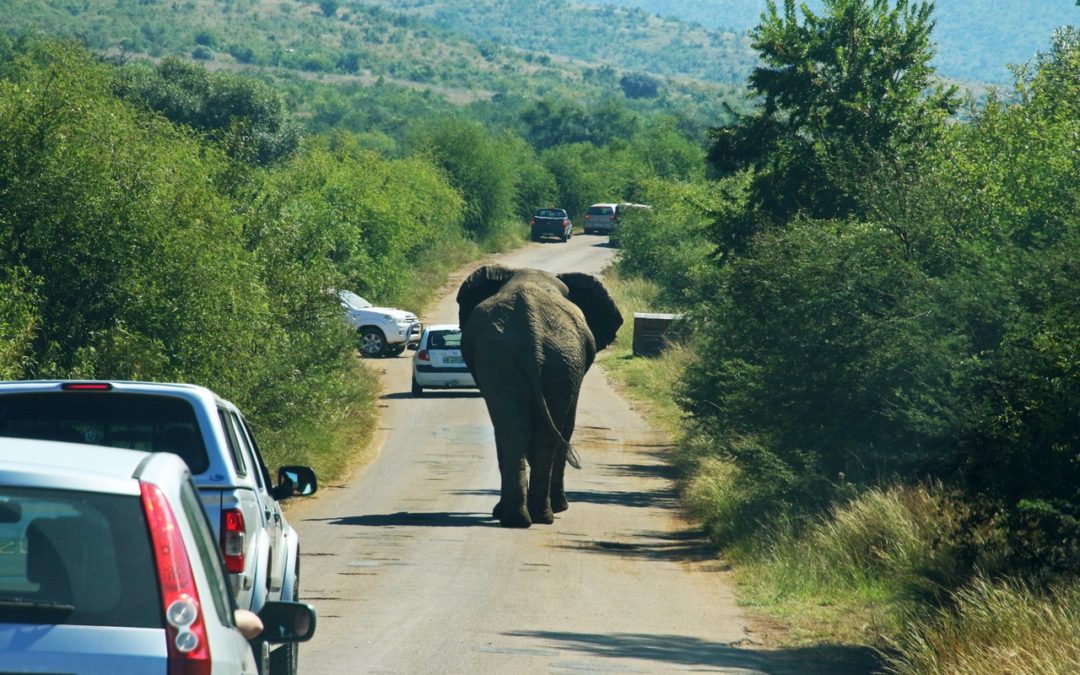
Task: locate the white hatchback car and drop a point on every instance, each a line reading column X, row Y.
column 108, row 565
column 437, row 363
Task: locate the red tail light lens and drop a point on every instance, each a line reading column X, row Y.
column 232, row 540
column 586, row 216
column 532, row 222
column 86, row 386
column 565, row 222
column 423, row 355
column 185, row 628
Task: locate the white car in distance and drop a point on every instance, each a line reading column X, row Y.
column 437, row 363
column 383, row 331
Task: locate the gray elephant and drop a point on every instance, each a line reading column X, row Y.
column 528, row 337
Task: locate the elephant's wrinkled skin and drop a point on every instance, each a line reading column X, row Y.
column 528, row 337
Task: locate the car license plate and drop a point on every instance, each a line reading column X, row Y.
column 451, row 359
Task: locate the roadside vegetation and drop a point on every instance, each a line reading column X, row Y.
column 879, row 419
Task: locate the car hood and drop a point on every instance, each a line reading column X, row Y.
column 399, row 314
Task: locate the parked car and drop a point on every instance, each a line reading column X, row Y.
column 601, row 218
column 109, row 565
column 551, row 223
column 260, row 548
column 437, row 363
column 383, row 331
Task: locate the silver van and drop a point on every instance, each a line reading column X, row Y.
column 601, row 218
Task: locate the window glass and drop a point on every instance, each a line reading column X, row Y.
column 245, row 446
column 600, row 211
column 246, row 430
column 444, row 339
column 234, row 445
column 209, row 553
column 136, row 421
column 76, row 558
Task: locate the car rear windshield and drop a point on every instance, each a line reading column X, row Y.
column 444, row 339
column 600, row 211
column 76, row 558
column 135, row 421
column 551, row 213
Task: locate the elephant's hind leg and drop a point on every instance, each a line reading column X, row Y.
column 511, row 439
column 540, row 487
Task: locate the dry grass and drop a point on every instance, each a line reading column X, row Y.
column 1003, row 627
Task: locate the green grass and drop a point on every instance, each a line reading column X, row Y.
column 648, row 381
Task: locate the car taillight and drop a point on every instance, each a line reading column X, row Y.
column 232, row 540
column 586, row 216
column 423, row 355
column 185, row 628
column 565, row 222
column 532, row 222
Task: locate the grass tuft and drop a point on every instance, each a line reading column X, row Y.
column 996, row 627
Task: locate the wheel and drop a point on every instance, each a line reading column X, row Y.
column 285, row 660
column 417, row 390
column 372, row 343
column 395, row 350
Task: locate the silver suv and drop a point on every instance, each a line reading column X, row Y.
column 260, row 548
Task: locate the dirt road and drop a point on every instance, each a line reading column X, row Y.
column 410, row 574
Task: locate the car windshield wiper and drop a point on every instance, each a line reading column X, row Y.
column 10, row 607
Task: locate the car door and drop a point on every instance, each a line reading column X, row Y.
column 275, row 527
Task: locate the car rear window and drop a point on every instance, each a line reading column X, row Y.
column 551, row 213
column 76, row 558
column 135, row 421
column 600, row 211
column 444, row 339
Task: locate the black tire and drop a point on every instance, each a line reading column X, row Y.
column 285, row 660
column 395, row 350
column 417, row 390
column 372, row 343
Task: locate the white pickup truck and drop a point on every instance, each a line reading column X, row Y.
column 384, row 331
column 260, row 548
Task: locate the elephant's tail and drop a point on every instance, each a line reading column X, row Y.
column 545, row 413
column 572, row 457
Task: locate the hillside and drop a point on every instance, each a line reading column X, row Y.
column 461, row 53
column 977, row 39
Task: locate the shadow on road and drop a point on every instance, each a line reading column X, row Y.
column 664, row 499
column 680, row 651
column 688, row 546
column 417, row 519
column 436, row 393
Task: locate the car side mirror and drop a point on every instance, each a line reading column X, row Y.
column 286, row 622
column 295, row 481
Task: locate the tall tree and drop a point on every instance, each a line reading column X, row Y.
column 843, row 95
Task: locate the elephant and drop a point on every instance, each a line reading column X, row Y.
column 528, row 337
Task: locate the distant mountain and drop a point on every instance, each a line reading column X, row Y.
column 977, row 39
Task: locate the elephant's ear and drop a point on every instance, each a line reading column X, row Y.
column 599, row 309
column 480, row 285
